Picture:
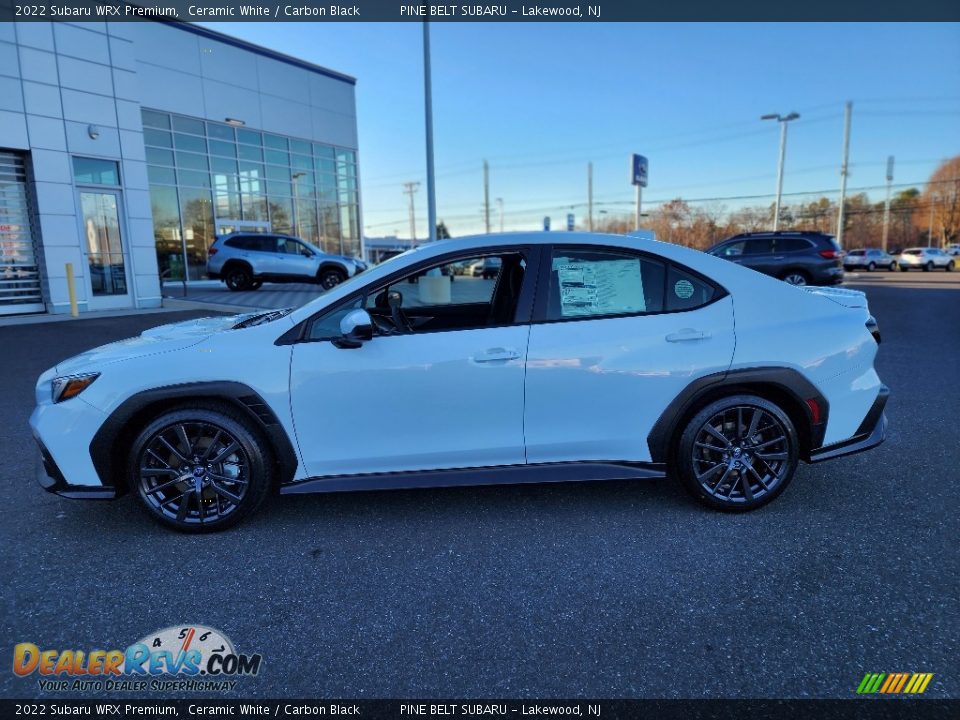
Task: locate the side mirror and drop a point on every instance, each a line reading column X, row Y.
column 356, row 328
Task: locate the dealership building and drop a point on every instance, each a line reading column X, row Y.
column 125, row 148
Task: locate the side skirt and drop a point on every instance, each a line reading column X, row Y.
column 501, row 475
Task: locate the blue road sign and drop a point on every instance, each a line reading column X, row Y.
column 638, row 170
column 546, row 223
column 570, row 220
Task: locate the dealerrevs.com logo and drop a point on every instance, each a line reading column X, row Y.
column 190, row 657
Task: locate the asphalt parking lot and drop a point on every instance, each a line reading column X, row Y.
column 613, row 589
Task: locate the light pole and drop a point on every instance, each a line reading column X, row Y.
column 500, row 209
column 783, row 120
column 296, row 203
column 428, row 123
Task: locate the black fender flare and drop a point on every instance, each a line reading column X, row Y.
column 780, row 384
column 117, row 427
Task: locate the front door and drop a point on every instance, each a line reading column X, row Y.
column 444, row 392
column 104, row 249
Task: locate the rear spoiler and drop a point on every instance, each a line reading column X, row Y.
column 841, row 296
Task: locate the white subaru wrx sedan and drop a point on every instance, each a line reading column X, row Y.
column 590, row 357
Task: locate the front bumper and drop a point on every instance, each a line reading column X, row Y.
column 872, row 432
column 51, row 479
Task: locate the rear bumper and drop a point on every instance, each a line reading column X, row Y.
column 51, row 479
column 872, row 432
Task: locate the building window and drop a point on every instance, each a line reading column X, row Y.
column 222, row 174
column 91, row 171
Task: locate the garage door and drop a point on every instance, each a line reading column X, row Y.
column 19, row 275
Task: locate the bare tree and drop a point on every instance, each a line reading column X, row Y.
column 943, row 190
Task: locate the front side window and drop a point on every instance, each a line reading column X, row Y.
column 593, row 283
column 441, row 297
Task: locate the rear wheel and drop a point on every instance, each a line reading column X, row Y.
column 795, row 277
column 238, row 278
column 200, row 469
column 331, row 278
column 738, row 453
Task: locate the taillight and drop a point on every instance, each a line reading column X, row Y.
column 212, row 251
column 831, row 254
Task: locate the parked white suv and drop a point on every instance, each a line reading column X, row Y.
column 597, row 357
column 926, row 258
column 244, row 261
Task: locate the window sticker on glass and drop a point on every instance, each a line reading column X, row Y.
column 606, row 287
column 683, row 289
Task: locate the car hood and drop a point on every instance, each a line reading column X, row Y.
column 164, row 338
column 841, row 296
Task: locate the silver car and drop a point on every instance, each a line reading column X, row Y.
column 244, row 261
column 926, row 259
column 869, row 259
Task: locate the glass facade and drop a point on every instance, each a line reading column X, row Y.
column 207, row 177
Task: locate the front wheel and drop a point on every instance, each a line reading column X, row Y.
column 871, row 266
column 738, row 453
column 893, row 267
column 200, row 469
column 950, row 266
column 331, row 278
column 928, row 267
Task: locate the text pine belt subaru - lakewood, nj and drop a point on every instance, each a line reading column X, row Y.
column 596, row 356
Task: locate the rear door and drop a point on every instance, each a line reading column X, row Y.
column 617, row 335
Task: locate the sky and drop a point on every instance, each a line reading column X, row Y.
column 539, row 101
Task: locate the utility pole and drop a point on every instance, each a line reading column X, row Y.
column 783, row 120
column 500, row 208
column 886, row 204
column 410, row 188
column 590, row 196
column 848, row 111
column 486, row 196
column 428, row 118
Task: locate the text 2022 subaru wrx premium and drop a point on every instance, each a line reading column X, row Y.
column 587, row 357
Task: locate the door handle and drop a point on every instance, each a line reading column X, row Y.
column 687, row 334
column 496, row 355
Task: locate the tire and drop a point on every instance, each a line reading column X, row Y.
column 871, row 266
column 706, row 461
column 950, row 266
column 256, row 284
column 929, row 266
column 238, row 278
column 230, row 488
column 331, row 277
column 893, row 267
column 795, row 277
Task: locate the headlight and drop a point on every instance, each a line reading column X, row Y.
column 70, row 386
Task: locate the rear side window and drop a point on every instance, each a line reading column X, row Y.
column 793, row 245
column 855, row 253
column 758, row 246
column 589, row 283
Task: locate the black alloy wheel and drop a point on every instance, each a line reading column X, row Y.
column 238, row 278
column 331, row 278
column 200, row 469
column 738, row 453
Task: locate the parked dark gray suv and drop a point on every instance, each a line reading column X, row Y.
column 797, row 257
